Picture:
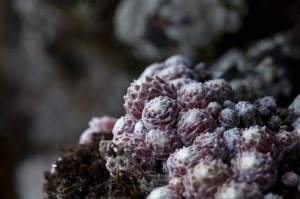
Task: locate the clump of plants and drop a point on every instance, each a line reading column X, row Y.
column 183, row 138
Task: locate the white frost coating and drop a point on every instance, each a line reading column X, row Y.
column 193, row 87
column 86, row 137
column 249, row 161
column 191, row 116
column 206, row 139
column 185, row 155
column 201, row 171
column 139, row 128
column 96, row 124
column 231, row 193
column 101, row 124
column 180, row 82
column 161, row 193
column 216, row 82
column 157, row 105
column 244, row 107
column 119, row 125
column 167, row 72
column 251, row 134
column 151, row 69
column 230, row 137
column 158, row 139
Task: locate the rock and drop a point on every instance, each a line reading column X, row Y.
column 156, row 29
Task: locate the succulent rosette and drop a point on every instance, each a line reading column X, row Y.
column 231, row 137
column 273, row 196
column 192, row 123
column 214, row 144
column 134, row 145
column 222, row 89
column 238, row 190
column 290, row 179
column 120, row 164
column 266, row 105
column 184, row 158
column 228, row 117
column 274, row 122
column 162, row 142
column 164, row 192
column 124, row 124
column 255, row 167
column 98, row 125
column 180, row 82
column 159, row 112
column 139, row 128
column 176, row 183
column 151, row 180
column 174, row 67
column 261, row 139
column 289, row 140
column 203, row 180
column 229, row 104
column 195, row 95
column 247, row 113
column 142, row 91
column 214, row 108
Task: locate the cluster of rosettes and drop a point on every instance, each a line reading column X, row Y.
column 209, row 144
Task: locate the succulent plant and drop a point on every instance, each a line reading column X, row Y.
column 222, row 89
column 290, row 179
column 261, row 139
column 214, row 108
column 289, row 140
column 159, row 112
column 140, row 128
column 142, row 91
column 274, row 122
column 102, row 125
column 120, row 164
column 203, row 180
column 273, row 196
column 255, row 167
column 181, row 138
column 164, row 192
column 179, row 82
column 266, row 105
column 134, row 145
column 238, row 190
column 184, row 158
column 124, row 124
column 195, row 95
column 174, row 67
column 162, row 142
column 192, row 123
column 231, row 137
column 247, row 113
column 214, row 144
column 228, row 118
column 229, row 104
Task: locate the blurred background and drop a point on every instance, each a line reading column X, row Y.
column 63, row 62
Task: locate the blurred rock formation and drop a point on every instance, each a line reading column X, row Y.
column 156, row 29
